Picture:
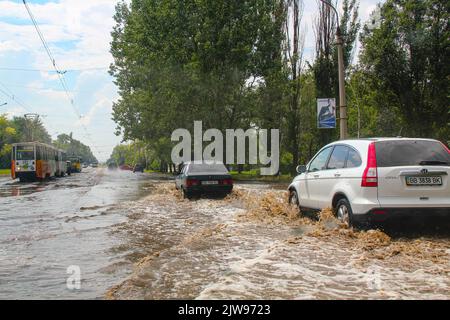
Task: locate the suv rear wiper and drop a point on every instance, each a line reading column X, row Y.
column 433, row 163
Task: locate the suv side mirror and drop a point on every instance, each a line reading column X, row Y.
column 301, row 169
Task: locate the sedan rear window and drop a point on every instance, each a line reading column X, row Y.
column 411, row 153
column 208, row 168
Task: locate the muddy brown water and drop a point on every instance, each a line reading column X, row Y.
column 134, row 237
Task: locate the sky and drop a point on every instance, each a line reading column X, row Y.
column 78, row 34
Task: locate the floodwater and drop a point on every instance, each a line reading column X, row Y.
column 47, row 227
column 134, row 237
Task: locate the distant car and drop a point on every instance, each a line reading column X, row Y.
column 85, row 165
column 75, row 164
column 198, row 178
column 94, row 165
column 138, row 168
column 125, row 167
column 112, row 166
column 374, row 180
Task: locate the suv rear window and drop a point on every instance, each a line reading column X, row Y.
column 410, row 153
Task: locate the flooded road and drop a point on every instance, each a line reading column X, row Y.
column 47, row 227
column 134, row 237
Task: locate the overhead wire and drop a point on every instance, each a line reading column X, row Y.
column 57, row 70
column 13, row 97
column 41, row 70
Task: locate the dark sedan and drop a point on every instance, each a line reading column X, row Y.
column 198, row 178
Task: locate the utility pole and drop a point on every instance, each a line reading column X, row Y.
column 341, row 69
column 33, row 119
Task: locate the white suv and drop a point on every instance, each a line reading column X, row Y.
column 370, row 180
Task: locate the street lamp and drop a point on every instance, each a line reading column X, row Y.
column 342, row 99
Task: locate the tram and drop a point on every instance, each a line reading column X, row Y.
column 75, row 164
column 33, row 161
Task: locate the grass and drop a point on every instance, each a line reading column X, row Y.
column 5, row 172
column 151, row 171
column 254, row 175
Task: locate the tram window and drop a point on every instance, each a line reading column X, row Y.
column 25, row 153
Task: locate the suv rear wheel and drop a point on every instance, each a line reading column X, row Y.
column 293, row 198
column 344, row 212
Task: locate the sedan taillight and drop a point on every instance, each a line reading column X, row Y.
column 227, row 181
column 192, row 182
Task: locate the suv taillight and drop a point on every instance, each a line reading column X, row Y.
column 370, row 175
column 445, row 147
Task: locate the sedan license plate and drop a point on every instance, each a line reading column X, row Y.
column 424, row 181
column 210, row 182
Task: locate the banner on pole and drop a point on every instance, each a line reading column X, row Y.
column 326, row 113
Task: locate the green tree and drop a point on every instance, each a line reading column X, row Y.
column 405, row 52
column 180, row 61
column 31, row 130
column 8, row 134
column 74, row 147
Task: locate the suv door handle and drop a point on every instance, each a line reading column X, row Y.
column 316, row 176
column 337, row 175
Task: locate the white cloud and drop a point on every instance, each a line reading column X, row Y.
column 310, row 15
column 15, row 112
column 102, row 98
column 78, row 33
